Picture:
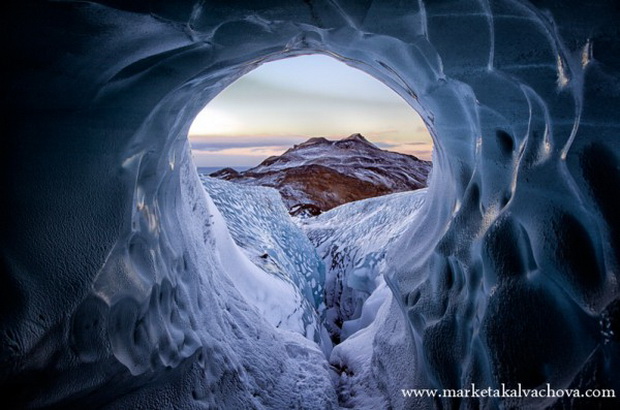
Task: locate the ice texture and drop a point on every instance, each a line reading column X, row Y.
column 260, row 224
column 353, row 240
column 361, row 314
column 115, row 292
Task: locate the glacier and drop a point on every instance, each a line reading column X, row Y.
column 120, row 291
column 258, row 222
column 353, row 240
column 344, row 249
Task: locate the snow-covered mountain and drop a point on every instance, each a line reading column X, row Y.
column 320, row 174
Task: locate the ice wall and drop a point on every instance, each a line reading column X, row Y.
column 260, row 224
column 112, row 287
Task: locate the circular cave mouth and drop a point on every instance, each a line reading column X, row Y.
column 322, row 133
column 344, row 153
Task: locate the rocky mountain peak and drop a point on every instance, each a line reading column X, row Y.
column 357, row 137
column 320, row 174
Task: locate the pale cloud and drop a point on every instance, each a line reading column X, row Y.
column 252, row 155
column 419, row 149
column 239, row 156
column 219, row 143
column 202, row 159
column 214, row 121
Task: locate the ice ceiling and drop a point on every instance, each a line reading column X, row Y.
column 115, row 291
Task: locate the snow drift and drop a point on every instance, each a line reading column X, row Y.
column 361, row 315
column 116, row 291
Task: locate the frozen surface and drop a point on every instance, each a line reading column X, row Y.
column 259, row 223
column 117, row 290
column 361, row 316
column 353, row 240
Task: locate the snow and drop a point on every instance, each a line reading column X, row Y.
column 353, row 240
column 120, row 291
column 276, row 300
column 288, row 287
column 306, row 171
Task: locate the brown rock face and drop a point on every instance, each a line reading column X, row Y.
column 328, row 188
column 319, row 174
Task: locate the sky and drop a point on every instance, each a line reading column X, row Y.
column 285, row 102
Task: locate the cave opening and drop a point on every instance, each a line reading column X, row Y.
column 167, row 162
column 299, row 105
column 285, row 102
column 323, row 135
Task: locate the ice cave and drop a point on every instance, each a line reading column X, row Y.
column 121, row 287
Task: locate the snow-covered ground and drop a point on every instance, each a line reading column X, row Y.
column 352, row 242
column 288, row 287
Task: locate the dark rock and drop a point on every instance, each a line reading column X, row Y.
column 225, row 173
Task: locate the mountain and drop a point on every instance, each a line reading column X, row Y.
column 320, row 174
